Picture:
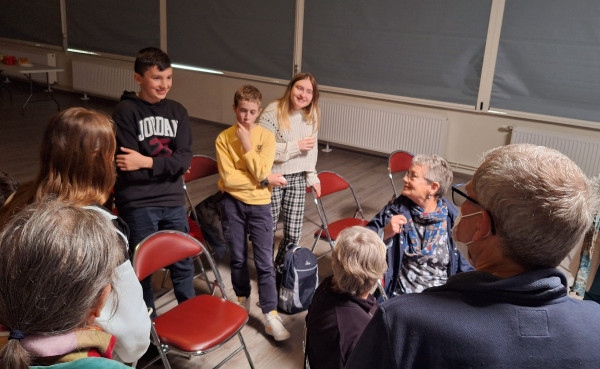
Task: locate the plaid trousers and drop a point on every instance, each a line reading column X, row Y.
column 289, row 202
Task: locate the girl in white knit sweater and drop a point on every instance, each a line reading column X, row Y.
column 294, row 120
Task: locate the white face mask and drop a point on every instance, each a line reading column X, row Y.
column 462, row 247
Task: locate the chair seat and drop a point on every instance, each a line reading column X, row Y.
column 339, row 225
column 200, row 323
column 195, row 230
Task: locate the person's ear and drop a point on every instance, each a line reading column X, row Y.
column 95, row 313
column 434, row 187
column 233, row 105
column 483, row 227
column 137, row 78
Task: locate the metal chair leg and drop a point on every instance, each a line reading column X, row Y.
column 246, row 350
column 198, row 259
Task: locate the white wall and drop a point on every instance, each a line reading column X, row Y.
column 210, row 97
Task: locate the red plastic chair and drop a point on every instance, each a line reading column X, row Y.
column 199, row 325
column 201, row 166
column 398, row 161
column 331, row 183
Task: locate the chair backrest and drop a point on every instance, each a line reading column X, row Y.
column 399, row 161
column 200, row 167
column 331, row 182
column 163, row 248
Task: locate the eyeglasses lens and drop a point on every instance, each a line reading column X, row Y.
column 457, row 197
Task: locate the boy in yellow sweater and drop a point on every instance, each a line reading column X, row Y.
column 245, row 154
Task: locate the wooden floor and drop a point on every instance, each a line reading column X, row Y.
column 20, row 138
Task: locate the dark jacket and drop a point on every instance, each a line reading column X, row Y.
column 477, row 320
column 334, row 323
column 209, row 218
column 162, row 131
column 395, row 251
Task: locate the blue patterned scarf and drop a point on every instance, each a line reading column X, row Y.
column 435, row 229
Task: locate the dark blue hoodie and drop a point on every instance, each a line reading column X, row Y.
column 478, row 320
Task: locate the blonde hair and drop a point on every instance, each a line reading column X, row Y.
column 358, row 260
column 77, row 157
column 311, row 112
column 55, row 263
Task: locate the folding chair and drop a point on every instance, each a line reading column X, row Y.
column 199, row 325
column 381, row 289
column 331, row 183
column 398, row 161
column 201, row 166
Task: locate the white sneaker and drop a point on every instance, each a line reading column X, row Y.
column 244, row 302
column 274, row 326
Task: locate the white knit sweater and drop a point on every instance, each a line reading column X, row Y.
column 288, row 157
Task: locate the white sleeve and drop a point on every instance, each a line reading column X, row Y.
column 125, row 316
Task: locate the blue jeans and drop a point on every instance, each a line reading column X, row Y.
column 239, row 221
column 143, row 222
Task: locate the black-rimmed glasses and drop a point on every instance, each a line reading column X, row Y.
column 459, row 197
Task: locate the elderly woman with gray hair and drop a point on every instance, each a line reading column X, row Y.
column 57, row 269
column 522, row 212
column 343, row 305
column 416, row 228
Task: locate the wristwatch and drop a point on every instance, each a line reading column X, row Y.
column 264, row 182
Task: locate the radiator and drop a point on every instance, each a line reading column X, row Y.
column 381, row 129
column 582, row 150
column 102, row 80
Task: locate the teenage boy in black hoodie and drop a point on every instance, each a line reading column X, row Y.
column 154, row 151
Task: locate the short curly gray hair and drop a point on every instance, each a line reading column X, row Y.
column 437, row 170
column 541, row 202
column 358, row 260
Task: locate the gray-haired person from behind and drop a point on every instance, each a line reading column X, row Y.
column 343, row 306
column 56, row 272
column 522, row 212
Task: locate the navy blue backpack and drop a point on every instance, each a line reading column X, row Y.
column 298, row 279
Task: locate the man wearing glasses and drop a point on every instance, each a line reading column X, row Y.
column 525, row 208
